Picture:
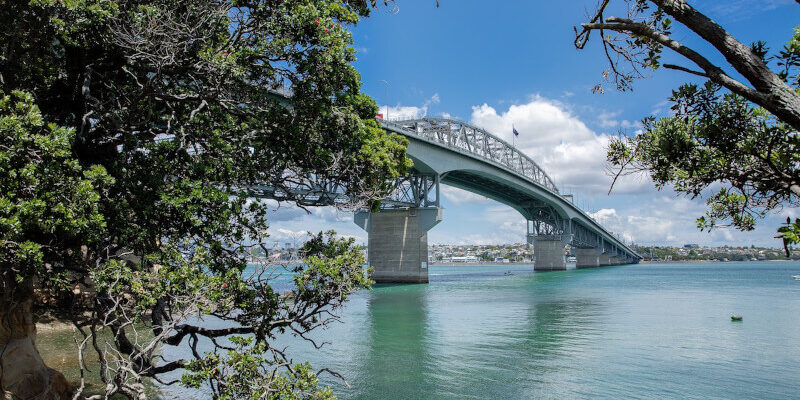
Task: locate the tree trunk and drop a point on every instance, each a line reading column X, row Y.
column 23, row 374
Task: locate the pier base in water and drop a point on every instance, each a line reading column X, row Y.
column 587, row 258
column 549, row 251
column 398, row 243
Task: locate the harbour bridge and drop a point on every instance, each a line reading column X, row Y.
column 452, row 152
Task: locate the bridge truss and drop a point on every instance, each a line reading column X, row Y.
column 466, row 138
column 411, row 191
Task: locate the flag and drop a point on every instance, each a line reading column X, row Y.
column 379, row 116
column 514, row 130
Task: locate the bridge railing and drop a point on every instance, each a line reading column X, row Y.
column 475, row 141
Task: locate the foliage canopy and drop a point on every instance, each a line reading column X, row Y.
column 131, row 131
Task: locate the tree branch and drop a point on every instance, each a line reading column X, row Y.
column 740, row 57
column 687, row 70
column 768, row 89
column 183, row 330
column 712, row 71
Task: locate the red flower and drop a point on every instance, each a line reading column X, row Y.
column 224, row 285
column 326, row 31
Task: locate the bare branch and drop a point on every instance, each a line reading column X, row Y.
column 687, row 70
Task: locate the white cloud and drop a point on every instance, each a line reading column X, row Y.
column 571, row 153
column 660, row 108
column 790, row 212
column 575, row 156
column 603, row 214
column 331, row 214
column 409, row 112
column 494, row 224
column 403, row 112
column 607, row 119
column 630, row 124
column 667, row 220
column 460, row 196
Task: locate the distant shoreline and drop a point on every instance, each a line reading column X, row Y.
column 487, row 263
column 705, row 261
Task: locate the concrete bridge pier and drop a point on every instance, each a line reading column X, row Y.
column 605, row 259
column 398, row 242
column 550, row 252
column 588, row 258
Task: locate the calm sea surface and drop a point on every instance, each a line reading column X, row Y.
column 639, row 331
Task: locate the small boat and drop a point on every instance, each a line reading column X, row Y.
column 796, row 277
column 736, row 317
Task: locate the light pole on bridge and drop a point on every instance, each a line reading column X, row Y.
column 387, row 97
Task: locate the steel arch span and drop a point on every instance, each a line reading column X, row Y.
column 458, row 154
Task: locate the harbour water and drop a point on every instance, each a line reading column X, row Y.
column 640, row 331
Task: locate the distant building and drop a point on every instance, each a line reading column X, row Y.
column 691, row 246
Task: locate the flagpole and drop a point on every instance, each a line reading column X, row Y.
column 513, row 137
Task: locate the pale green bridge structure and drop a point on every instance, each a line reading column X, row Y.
column 451, row 152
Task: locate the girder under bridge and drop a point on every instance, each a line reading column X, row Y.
column 452, row 152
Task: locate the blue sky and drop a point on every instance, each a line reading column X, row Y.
column 514, row 62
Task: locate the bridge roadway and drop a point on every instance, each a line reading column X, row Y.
column 458, row 154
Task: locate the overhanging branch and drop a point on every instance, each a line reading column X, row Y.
column 183, row 330
column 687, row 70
column 711, row 71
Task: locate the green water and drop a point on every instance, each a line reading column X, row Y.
column 640, row 331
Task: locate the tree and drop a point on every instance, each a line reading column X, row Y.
column 131, row 132
column 740, row 132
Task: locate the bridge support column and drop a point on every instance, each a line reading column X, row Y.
column 604, row 259
column 587, row 258
column 398, row 243
column 549, row 251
